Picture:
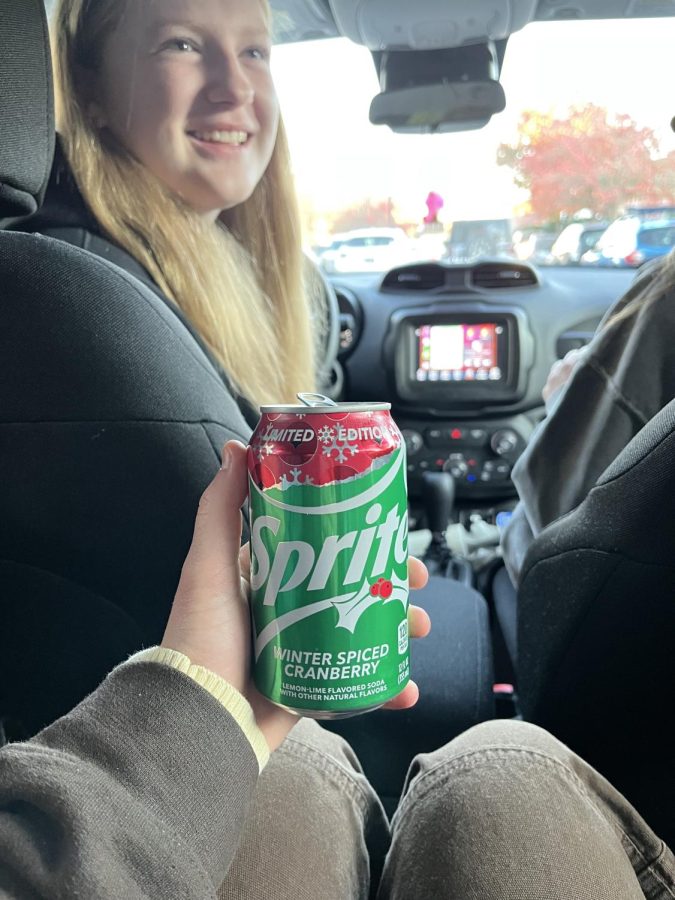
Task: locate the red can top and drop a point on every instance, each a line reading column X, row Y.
column 319, row 447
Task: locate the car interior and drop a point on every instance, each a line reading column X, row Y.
column 113, row 412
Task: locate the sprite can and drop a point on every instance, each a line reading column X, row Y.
column 329, row 557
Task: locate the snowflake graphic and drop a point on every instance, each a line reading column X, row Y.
column 326, row 434
column 261, row 450
column 294, row 480
column 340, row 448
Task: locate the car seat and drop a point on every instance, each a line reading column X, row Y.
column 596, row 624
column 112, row 417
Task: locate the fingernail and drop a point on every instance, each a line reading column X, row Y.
column 225, row 459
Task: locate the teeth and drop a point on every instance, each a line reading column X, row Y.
column 222, row 137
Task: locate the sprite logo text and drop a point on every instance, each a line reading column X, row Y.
column 297, row 565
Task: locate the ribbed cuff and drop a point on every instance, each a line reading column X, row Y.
column 230, row 698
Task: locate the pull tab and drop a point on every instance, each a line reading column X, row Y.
column 315, row 400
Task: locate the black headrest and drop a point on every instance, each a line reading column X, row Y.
column 26, row 107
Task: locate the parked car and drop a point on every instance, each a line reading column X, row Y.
column 630, row 242
column 575, row 240
column 472, row 239
column 367, row 250
column 534, row 246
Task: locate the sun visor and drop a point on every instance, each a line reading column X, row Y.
column 428, row 24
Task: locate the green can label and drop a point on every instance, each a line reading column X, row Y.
column 329, row 557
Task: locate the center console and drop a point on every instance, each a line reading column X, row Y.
column 454, row 375
column 478, row 454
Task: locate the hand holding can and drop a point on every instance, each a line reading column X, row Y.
column 210, row 619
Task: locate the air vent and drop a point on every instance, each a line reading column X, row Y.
column 426, row 277
column 493, row 276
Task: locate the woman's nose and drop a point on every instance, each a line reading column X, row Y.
column 229, row 84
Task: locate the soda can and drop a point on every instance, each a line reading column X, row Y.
column 329, row 557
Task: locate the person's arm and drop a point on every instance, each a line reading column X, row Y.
column 625, row 378
column 141, row 791
column 561, row 372
column 588, row 427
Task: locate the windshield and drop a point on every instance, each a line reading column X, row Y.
column 585, row 135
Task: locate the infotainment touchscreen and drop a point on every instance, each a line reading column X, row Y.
column 459, row 352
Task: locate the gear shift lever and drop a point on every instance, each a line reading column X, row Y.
column 438, row 494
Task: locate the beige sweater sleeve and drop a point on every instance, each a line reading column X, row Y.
column 140, row 791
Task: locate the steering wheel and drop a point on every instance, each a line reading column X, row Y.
column 330, row 377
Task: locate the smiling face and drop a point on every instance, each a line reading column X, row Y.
column 185, row 86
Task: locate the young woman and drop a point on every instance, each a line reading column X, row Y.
column 170, row 126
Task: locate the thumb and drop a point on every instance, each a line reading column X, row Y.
column 213, row 560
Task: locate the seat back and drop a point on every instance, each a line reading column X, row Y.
column 596, row 622
column 26, row 108
column 111, row 423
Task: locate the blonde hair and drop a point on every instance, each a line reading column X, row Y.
column 241, row 282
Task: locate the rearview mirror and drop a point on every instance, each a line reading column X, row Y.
column 462, row 106
column 455, row 89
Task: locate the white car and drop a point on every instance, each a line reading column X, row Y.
column 367, row 250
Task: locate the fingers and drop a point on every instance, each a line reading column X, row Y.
column 407, row 698
column 419, row 623
column 417, row 573
column 213, row 558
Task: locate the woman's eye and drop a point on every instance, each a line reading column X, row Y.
column 183, row 45
column 260, row 53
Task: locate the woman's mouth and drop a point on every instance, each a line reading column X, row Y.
column 228, row 138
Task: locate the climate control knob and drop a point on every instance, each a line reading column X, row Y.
column 413, row 441
column 504, row 441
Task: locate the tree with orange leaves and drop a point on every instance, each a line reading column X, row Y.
column 590, row 160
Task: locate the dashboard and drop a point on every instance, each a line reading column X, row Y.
column 462, row 353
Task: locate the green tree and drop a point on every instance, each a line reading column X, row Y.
column 588, row 160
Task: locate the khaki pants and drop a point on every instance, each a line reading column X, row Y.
column 503, row 812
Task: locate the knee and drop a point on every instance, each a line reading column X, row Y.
column 316, row 744
column 506, row 734
column 487, row 764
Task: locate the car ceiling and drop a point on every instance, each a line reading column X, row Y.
column 302, row 20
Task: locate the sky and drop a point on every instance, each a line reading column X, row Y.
column 326, row 87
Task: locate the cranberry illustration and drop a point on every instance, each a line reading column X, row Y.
column 375, row 590
column 386, row 589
